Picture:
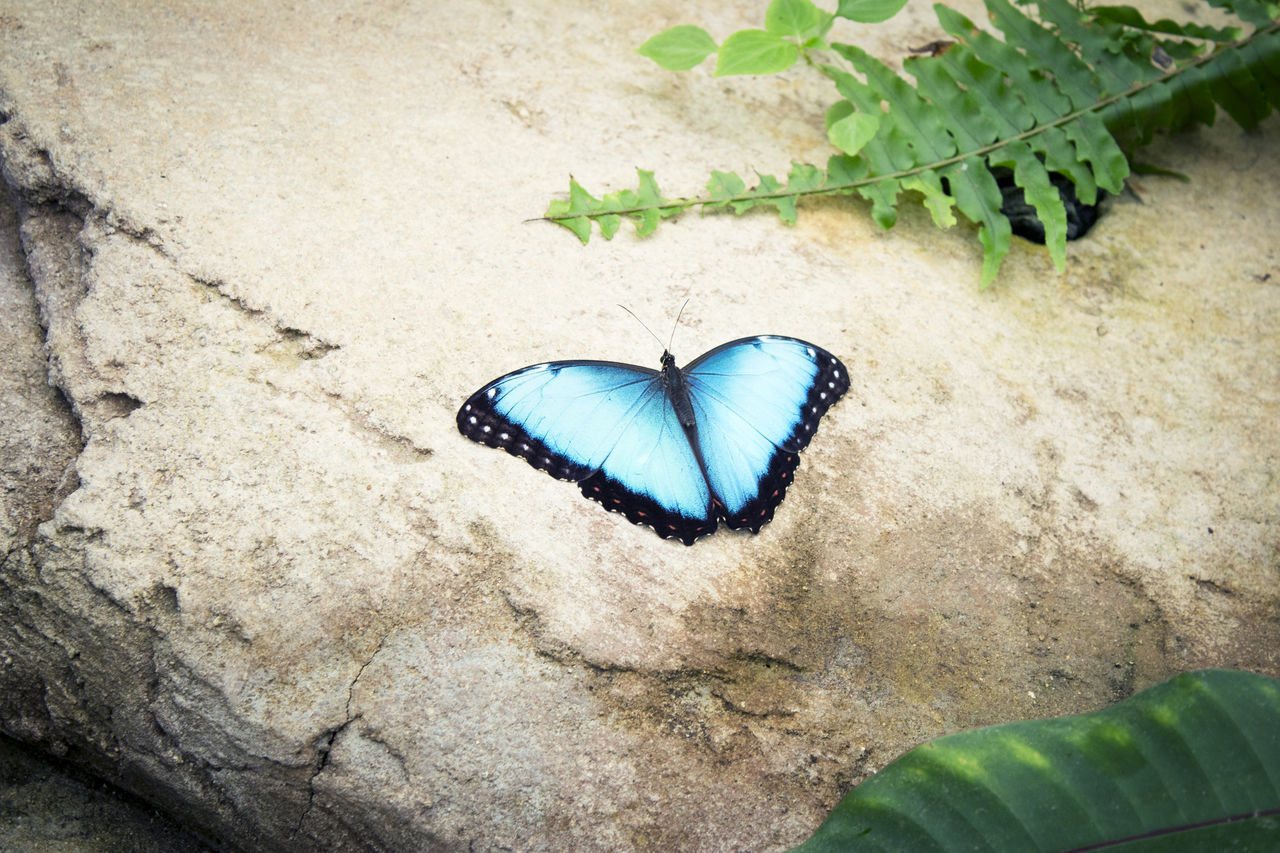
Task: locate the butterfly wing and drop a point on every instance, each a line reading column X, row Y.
column 608, row 426
column 758, row 402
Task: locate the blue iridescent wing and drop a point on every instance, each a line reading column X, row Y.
column 758, row 402
column 610, row 427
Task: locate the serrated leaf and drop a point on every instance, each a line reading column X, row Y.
column 978, row 197
column 1115, row 71
column 1039, row 94
column 936, row 200
column 914, row 131
column 610, row 222
column 679, row 48
column 723, row 187
column 1043, row 51
column 1060, row 156
column 1250, row 11
column 1131, row 17
column 1096, row 146
column 764, row 193
column 755, row 52
column 1240, row 93
column 843, row 170
column 1141, row 168
column 650, row 202
column 1190, row 764
column 797, row 19
column 573, row 214
column 804, row 177
column 869, row 11
column 1030, row 174
column 853, row 131
column 1061, row 95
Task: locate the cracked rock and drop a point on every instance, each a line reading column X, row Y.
column 257, row 255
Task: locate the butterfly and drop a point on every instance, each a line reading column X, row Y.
column 678, row 450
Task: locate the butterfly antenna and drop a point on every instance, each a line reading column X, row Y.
column 676, row 324
column 642, row 325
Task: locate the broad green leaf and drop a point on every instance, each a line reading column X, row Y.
column 679, row 48
column 755, row 52
column 853, row 131
column 1190, row 764
column 839, row 109
column 797, row 19
column 869, row 11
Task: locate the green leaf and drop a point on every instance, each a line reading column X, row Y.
column 1250, row 11
column 797, row 19
column 572, row 214
column 847, row 174
column 651, row 204
column 803, row 177
column 1065, row 90
column 853, row 131
column 679, row 48
column 1131, row 17
column 755, row 52
column 1190, row 764
column 1142, row 168
column 723, row 187
column 1099, row 149
column 1031, row 175
column 869, row 11
column 979, row 198
column 936, row 200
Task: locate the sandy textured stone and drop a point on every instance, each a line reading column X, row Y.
column 274, row 248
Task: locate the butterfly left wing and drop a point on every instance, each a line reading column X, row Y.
column 608, row 426
column 758, row 402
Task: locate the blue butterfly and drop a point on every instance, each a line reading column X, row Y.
column 674, row 449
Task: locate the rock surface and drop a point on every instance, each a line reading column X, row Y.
column 253, row 574
column 49, row 805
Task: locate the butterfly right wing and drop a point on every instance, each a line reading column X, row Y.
column 608, row 426
column 758, row 402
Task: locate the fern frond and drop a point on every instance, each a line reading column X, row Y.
column 1064, row 91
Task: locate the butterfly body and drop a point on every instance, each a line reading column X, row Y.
column 678, row 450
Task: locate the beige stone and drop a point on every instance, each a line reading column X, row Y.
column 275, row 247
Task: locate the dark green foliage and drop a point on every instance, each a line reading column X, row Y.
column 1190, row 764
column 1062, row 90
